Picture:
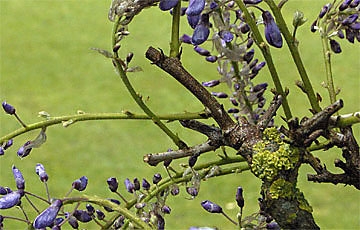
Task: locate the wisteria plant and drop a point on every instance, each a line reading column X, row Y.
column 241, row 35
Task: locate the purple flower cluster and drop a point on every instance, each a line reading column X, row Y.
column 341, row 22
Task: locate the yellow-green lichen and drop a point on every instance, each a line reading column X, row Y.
column 286, row 190
column 272, row 155
column 282, row 189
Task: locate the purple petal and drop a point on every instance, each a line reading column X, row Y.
column 48, row 216
column 272, row 32
column 200, row 35
column 167, row 4
column 195, row 7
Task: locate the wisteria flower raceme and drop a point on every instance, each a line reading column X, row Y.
column 48, row 216
column 167, row 4
column 272, row 32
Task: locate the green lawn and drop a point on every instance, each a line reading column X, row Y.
column 46, row 64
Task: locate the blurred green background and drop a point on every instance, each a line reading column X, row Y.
column 46, row 64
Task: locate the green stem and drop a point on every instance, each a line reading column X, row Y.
column 175, row 27
column 203, row 170
column 327, row 59
column 107, row 203
column 137, row 97
column 268, row 58
column 295, row 54
column 99, row 116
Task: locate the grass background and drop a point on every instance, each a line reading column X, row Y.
column 46, row 64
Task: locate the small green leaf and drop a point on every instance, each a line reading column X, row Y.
column 298, row 19
column 105, row 53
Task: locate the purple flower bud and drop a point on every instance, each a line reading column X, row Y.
column 82, row 216
column 350, row 35
column 11, row 199
column 8, row 144
column 185, row 39
column 9, row 109
column 167, row 162
column 136, row 184
column 175, row 190
column 213, row 5
column 211, row 59
column 166, row 209
column 113, row 184
column 250, row 42
column 239, row 197
column 211, row 83
column 129, row 57
column 80, row 184
column 233, row 110
column 195, row 7
column 354, row 3
column 90, row 209
column 160, row 219
column 248, row 56
column 72, row 221
column 100, row 215
column 200, row 35
column 344, row 5
column 253, row 63
column 193, row 159
column 355, row 26
column 340, row 34
column 312, row 27
column 258, row 67
column 252, row 1
column 19, row 179
column 324, row 10
column 2, row 152
column 211, row 207
column 58, row 220
column 145, row 184
column 219, row 94
column 244, row 28
column 157, row 178
column 192, row 191
column 202, row 51
column 272, row 32
column 273, row 225
column 226, row 36
column 259, row 87
column 233, row 101
column 335, row 46
column 3, row 191
column 167, row 4
column 193, row 20
column 40, row 171
column 129, row 186
column 349, row 20
column 24, row 150
column 114, row 201
column 48, row 216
